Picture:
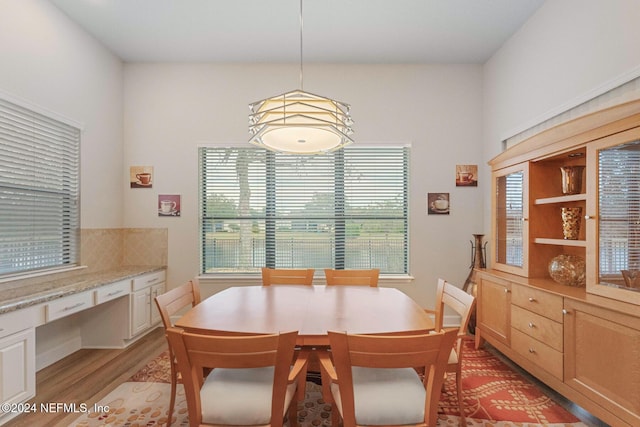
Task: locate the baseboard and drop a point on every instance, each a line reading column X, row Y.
column 58, row 352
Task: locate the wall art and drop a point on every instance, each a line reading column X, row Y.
column 169, row 205
column 141, row 176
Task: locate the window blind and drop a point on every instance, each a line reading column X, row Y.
column 348, row 209
column 619, row 208
column 39, row 191
column 509, row 216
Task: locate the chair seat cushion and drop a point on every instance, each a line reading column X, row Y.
column 240, row 396
column 385, row 396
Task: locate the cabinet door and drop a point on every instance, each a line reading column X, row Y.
column 601, row 357
column 155, row 314
column 613, row 227
column 510, row 211
column 17, row 367
column 493, row 309
column 140, row 311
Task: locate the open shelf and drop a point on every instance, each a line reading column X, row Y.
column 561, row 242
column 561, row 199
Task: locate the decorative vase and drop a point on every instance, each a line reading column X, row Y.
column 478, row 255
column 571, row 179
column 571, row 223
column 568, row 270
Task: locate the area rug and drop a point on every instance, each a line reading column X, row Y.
column 494, row 395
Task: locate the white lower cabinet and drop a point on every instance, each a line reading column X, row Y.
column 17, row 368
column 144, row 313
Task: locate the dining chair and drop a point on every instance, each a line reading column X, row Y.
column 463, row 303
column 352, row 277
column 251, row 380
column 286, row 276
column 372, row 379
column 168, row 304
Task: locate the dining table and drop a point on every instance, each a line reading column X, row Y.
column 310, row 310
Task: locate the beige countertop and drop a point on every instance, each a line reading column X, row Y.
column 18, row 294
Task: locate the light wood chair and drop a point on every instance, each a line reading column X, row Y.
column 373, row 380
column 352, row 277
column 251, row 381
column 168, row 304
column 463, row 304
column 286, row 276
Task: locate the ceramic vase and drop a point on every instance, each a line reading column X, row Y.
column 571, row 179
column 571, row 218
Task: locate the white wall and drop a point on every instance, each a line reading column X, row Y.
column 569, row 50
column 48, row 61
column 170, row 109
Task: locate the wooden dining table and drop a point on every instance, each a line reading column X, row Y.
column 310, row 310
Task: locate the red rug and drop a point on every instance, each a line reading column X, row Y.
column 492, row 391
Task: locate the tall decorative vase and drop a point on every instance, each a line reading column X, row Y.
column 571, row 223
column 478, row 254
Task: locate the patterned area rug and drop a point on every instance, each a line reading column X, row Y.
column 494, row 396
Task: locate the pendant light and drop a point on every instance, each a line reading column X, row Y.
column 299, row 122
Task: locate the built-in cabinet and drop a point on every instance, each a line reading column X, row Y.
column 111, row 316
column 17, row 357
column 583, row 341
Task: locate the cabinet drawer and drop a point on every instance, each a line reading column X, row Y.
column 17, row 321
column 69, row 305
column 541, row 354
column 541, row 302
column 538, row 327
column 112, row 291
column 148, row 280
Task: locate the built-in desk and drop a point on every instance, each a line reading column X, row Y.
column 110, row 309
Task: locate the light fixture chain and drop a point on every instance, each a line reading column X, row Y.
column 301, row 26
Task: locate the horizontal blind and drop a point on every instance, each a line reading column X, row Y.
column 509, row 229
column 619, row 208
column 39, row 191
column 343, row 210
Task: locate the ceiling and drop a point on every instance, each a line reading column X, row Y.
column 334, row 31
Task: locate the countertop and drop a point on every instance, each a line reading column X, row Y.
column 18, row 294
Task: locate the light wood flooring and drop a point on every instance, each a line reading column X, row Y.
column 86, row 376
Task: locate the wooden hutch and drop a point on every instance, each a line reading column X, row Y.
column 584, row 341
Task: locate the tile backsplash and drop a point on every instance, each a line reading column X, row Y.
column 108, row 248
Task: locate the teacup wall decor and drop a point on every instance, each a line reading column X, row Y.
column 141, row 176
column 438, row 204
column 466, row 175
column 169, row 205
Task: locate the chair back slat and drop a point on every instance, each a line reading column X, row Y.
column 281, row 276
column 174, row 300
column 352, row 277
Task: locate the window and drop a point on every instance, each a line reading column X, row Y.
column 39, row 214
column 348, row 209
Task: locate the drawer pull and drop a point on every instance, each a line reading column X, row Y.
column 531, row 325
column 506, row 291
column 531, row 299
column 531, row 350
column 110, row 294
column 71, row 307
column 565, row 311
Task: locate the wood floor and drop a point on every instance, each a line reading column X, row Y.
column 86, row 376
